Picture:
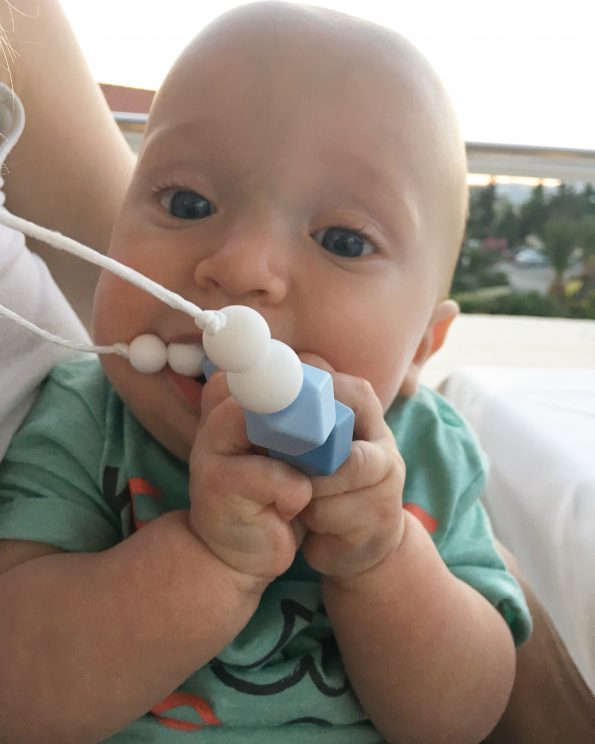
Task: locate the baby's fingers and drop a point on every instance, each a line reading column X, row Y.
column 368, row 465
column 213, row 392
column 360, row 396
column 222, row 427
column 248, row 486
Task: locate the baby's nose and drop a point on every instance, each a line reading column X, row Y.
column 245, row 269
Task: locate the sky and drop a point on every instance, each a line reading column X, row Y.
column 518, row 71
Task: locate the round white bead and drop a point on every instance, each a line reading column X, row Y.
column 186, row 359
column 241, row 343
column 147, row 354
column 271, row 385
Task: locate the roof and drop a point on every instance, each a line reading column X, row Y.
column 130, row 100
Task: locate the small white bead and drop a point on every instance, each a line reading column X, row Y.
column 271, row 385
column 241, row 343
column 147, row 354
column 186, row 359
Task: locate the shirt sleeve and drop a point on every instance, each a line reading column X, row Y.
column 468, row 549
column 50, row 486
column 446, row 477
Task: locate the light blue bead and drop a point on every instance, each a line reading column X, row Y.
column 303, row 425
column 208, row 368
column 329, row 457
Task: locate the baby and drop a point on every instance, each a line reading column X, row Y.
column 162, row 576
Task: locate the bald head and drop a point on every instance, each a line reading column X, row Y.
column 275, row 67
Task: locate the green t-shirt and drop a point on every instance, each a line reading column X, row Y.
column 83, row 474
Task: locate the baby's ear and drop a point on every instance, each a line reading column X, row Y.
column 431, row 341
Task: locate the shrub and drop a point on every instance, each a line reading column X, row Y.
column 514, row 303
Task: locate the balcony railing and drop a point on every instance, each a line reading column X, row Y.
column 570, row 166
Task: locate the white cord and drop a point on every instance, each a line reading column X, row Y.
column 119, row 348
column 211, row 321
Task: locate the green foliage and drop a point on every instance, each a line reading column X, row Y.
column 490, row 214
column 514, row 303
column 586, row 234
column 560, row 239
column 507, row 225
column 527, row 303
column 533, row 214
column 563, row 219
column 475, row 269
column 482, row 210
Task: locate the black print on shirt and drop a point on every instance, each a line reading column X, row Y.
column 291, row 611
column 120, row 502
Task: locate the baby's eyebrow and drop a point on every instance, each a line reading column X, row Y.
column 380, row 192
column 199, row 127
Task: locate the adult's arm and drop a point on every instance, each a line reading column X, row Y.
column 72, row 165
column 550, row 702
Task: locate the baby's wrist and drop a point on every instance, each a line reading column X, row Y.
column 360, row 579
column 246, row 583
column 220, row 572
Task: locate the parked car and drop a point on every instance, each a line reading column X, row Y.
column 530, row 257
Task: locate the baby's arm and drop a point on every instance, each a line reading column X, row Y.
column 90, row 642
column 429, row 658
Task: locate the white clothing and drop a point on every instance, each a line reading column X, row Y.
column 27, row 288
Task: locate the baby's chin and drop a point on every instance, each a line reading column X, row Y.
column 176, row 436
column 156, row 405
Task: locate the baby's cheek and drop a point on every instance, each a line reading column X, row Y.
column 380, row 364
column 105, row 309
column 120, row 311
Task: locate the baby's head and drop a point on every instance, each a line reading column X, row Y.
column 309, row 165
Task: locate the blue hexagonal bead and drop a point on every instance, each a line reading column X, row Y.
column 303, row 425
column 208, row 368
column 327, row 458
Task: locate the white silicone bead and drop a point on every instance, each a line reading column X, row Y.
column 241, row 343
column 147, row 354
column 271, row 385
column 186, row 359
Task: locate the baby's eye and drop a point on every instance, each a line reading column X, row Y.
column 186, row 205
column 344, row 242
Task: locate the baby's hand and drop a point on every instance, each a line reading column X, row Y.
column 355, row 516
column 243, row 503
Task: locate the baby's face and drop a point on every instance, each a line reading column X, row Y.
column 303, row 190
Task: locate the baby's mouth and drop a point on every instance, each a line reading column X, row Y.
column 189, row 387
column 186, row 356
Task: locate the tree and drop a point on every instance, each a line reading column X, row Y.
column 560, row 237
column 588, row 197
column 507, row 224
column 586, row 234
column 567, row 203
column 482, row 212
column 533, row 214
column 586, row 238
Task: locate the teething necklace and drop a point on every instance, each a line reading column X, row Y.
column 289, row 406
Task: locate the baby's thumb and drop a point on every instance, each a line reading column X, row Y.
column 213, row 392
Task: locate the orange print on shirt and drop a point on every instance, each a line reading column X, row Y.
column 188, row 699
column 428, row 521
column 139, row 486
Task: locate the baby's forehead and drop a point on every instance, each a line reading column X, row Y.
column 302, row 52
